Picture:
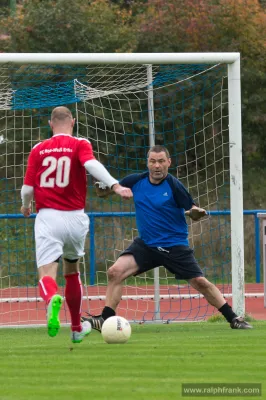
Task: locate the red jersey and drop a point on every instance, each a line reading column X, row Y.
column 56, row 171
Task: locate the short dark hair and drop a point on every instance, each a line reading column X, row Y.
column 158, row 149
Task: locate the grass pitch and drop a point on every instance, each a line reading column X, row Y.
column 151, row 366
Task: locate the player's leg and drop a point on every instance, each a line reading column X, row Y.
column 182, row 263
column 77, row 226
column 214, row 297
column 48, row 291
column 124, row 267
column 48, row 252
column 73, row 296
column 136, row 259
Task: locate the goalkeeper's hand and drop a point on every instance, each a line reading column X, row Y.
column 196, row 213
column 102, row 190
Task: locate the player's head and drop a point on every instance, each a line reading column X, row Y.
column 62, row 121
column 158, row 163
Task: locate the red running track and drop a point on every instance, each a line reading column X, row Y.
column 171, row 308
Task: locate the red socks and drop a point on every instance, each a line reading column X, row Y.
column 73, row 295
column 48, row 288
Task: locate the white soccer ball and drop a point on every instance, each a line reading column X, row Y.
column 116, row 330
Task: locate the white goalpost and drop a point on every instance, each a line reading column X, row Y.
column 124, row 104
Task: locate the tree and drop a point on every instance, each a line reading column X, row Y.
column 217, row 25
column 69, row 26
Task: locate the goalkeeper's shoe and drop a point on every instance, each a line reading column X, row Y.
column 96, row 321
column 77, row 337
column 240, row 323
column 53, row 310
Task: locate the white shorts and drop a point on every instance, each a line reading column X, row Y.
column 60, row 233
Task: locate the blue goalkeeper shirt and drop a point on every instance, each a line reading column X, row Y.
column 160, row 209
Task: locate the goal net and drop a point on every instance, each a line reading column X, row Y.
column 123, row 108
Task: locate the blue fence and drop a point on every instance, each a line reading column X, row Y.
column 94, row 215
column 257, row 234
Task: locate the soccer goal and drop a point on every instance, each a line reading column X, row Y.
column 125, row 103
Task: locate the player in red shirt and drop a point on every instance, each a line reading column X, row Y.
column 56, row 178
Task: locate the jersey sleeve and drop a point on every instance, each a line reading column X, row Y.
column 85, row 152
column 130, row 180
column 181, row 195
column 31, row 170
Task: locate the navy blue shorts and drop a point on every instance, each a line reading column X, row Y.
column 179, row 260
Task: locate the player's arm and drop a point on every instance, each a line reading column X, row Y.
column 184, row 200
column 26, row 197
column 128, row 181
column 99, row 172
column 27, row 190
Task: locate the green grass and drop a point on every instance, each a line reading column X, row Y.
column 220, row 318
column 151, row 366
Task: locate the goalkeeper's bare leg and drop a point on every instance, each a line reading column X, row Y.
column 123, row 268
column 214, row 297
column 126, row 266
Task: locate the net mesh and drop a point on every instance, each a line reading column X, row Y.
column 113, row 107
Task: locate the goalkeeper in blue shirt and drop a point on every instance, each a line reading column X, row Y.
column 161, row 204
